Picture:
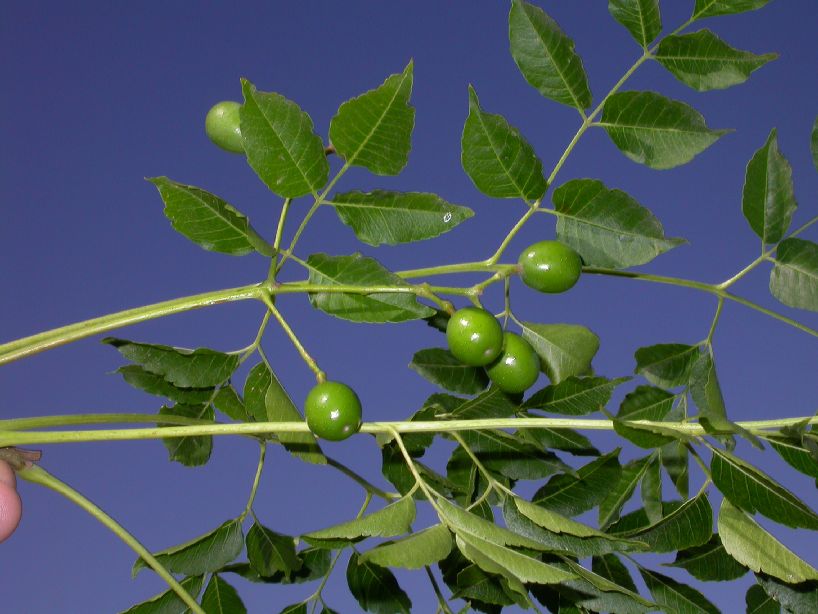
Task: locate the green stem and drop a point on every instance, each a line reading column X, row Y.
column 282, row 218
column 38, row 475
column 366, row 485
column 256, row 480
column 715, row 321
column 18, row 438
column 319, row 374
column 27, row 346
column 38, row 422
column 461, row 267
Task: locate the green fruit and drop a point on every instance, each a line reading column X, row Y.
column 550, row 266
column 222, row 126
column 475, row 336
column 333, row 411
column 517, row 367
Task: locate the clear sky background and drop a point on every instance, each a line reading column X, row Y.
column 96, row 96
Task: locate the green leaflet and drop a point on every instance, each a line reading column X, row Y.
column 203, row 554
column 607, row 227
column 794, row 278
column 375, row 588
column 439, row 367
column 666, row 365
column 153, row 383
column 704, row 62
column 221, row 598
column 200, row 368
column 546, row 56
column 713, row 8
column 709, row 562
column 497, row 158
column 280, row 144
column 209, row 221
column 575, row 396
column 270, row 552
column 616, row 493
column 753, row 547
column 382, row 217
column 641, row 18
column 795, row 598
column 759, row 602
column 425, row 547
column 768, row 200
column 754, row 491
column 675, row 596
column 656, row 131
column 168, row 602
column 358, row 270
column 394, row 519
column 279, row 407
column 374, row 130
column 564, row 349
column 572, row 495
column 191, row 451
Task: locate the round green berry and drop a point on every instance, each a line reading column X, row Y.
column 475, row 336
column 222, row 126
column 517, row 367
column 333, row 411
column 550, row 266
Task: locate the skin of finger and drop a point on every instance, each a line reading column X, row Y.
column 7, row 475
column 11, row 510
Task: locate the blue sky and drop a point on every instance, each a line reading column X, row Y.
column 99, row 96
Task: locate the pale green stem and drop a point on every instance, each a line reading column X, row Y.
column 368, row 486
column 282, row 218
column 19, row 438
column 461, row 267
column 319, row 374
column 38, row 475
column 715, row 322
column 27, row 346
column 419, row 481
column 256, row 480
column 495, row 485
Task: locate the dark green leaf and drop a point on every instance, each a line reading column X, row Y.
column 564, row 349
column 666, row 365
column 439, row 367
column 713, row 8
column 572, row 495
column 380, row 217
column 575, row 396
column 168, row 602
column 558, row 532
column 608, row 227
column 675, row 460
column 656, row 131
column 270, row 552
column 413, row 552
column 509, row 456
column 280, row 144
column 796, row 598
column 768, row 201
column 640, row 17
column 546, row 56
column 565, row 440
column 201, row 368
column 493, row 403
column 754, row 491
column 755, row 548
column 794, row 453
column 497, row 158
column 794, row 278
column 681, row 526
column 468, row 582
column 358, row 270
column 644, row 403
column 209, row 221
column 221, row 598
column 203, row 554
column 375, row 588
column 616, row 493
column 759, row 602
column 255, row 390
column 374, row 130
column 706, row 393
column 651, row 491
column 586, row 595
column 295, row 608
column 189, row 451
column 610, row 567
column 154, row 383
column 230, row 404
column 314, row 564
column 709, row 562
column 280, row 408
column 603, row 584
column 675, row 596
column 704, row 62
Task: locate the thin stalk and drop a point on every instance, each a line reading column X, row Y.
column 319, row 374
column 363, row 482
column 282, row 218
column 19, row 438
column 419, row 481
column 38, row 475
column 441, row 600
column 461, row 267
column 715, row 321
column 256, row 481
column 27, row 346
column 38, row 422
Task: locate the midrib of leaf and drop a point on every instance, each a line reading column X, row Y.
column 655, row 129
column 567, row 84
column 497, row 155
column 791, row 265
column 215, row 214
column 627, row 233
column 720, row 58
column 642, row 26
column 377, row 124
column 571, row 484
column 696, row 607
